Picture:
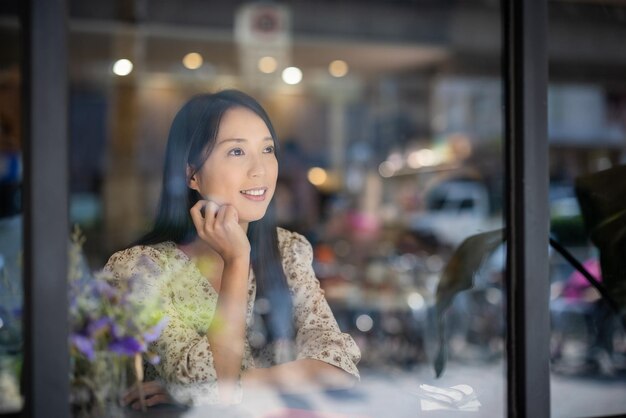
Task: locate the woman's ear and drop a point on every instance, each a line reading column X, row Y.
column 192, row 179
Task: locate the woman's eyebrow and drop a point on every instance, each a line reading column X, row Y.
column 240, row 140
column 237, row 140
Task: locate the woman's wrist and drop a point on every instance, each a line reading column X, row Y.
column 235, row 273
column 255, row 377
column 240, row 260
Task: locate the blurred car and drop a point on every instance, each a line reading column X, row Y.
column 455, row 210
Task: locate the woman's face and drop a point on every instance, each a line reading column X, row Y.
column 242, row 168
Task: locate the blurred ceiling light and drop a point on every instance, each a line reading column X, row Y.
column 122, row 67
column 385, row 169
column 193, row 61
column 396, row 160
column 292, row 75
column 426, row 157
column 413, row 160
column 338, row 68
column 317, row 176
column 267, row 65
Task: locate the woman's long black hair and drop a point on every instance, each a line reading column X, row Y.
column 191, row 140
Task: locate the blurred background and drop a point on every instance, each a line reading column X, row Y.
column 390, row 119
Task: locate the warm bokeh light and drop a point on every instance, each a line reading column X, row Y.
column 427, row 157
column 396, row 160
column 122, row 67
column 292, row 75
column 413, row 160
column 338, row 68
column 317, row 176
column 193, row 61
column 422, row 158
column 267, row 65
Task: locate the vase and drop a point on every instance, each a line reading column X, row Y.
column 98, row 386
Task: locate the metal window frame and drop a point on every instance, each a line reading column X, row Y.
column 45, row 198
column 525, row 64
column 525, row 72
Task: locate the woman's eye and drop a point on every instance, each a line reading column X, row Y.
column 269, row 150
column 236, row 152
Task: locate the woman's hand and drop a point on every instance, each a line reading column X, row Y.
column 298, row 376
column 154, row 394
column 219, row 227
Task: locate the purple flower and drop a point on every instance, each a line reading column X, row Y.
column 127, row 346
column 98, row 325
column 105, row 289
column 105, row 315
column 83, row 344
column 116, row 330
column 152, row 334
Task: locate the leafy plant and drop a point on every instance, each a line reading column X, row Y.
column 108, row 320
column 458, row 275
column 602, row 200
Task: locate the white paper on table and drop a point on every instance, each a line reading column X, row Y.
column 457, row 398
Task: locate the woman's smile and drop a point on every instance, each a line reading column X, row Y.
column 257, row 194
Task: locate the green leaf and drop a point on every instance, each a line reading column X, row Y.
column 457, row 276
column 602, row 199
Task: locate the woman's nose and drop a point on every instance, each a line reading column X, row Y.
column 257, row 168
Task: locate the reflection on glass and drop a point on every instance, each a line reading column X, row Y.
column 11, row 293
column 389, row 162
column 587, row 130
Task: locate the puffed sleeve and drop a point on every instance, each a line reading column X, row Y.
column 186, row 362
column 317, row 334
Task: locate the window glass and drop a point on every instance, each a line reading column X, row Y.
column 587, row 133
column 11, row 294
column 389, row 116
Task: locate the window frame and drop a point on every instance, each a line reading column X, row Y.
column 525, row 72
column 45, row 201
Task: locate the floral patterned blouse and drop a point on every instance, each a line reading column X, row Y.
column 186, row 364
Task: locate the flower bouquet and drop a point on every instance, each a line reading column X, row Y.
column 110, row 330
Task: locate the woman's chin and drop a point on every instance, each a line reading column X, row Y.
column 247, row 218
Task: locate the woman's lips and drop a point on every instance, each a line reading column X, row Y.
column 256, row 195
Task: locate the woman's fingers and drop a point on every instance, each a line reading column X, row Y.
column 219, row 227
column 231, row 215
column 153, row 400
column 203, row 215
column 216, row 219
column 210, row 212
column 151, row 388
column 198, row 213
column 219, row 216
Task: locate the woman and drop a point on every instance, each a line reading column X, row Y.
column 214, row 250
